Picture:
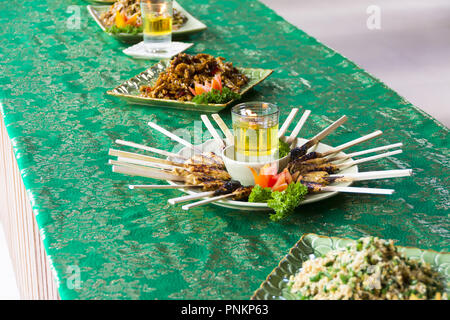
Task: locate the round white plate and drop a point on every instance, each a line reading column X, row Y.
column 211, row 145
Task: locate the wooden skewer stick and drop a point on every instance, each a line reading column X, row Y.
column 206, row 201
column 324, row 189
column 135, row 171
column 372, row 175
column 287, row 123
column 164, row 166
column 363, row 152
column 357, row 190
column 353, row 143
column 173, row 136
column 137, row 156
column 158, row 170
column 325, row 132
column 378, row 156
column 154, row 150
column 212, row 130
column 189, row 197
column 299, row 126
column 229, row 137
column 159, row 186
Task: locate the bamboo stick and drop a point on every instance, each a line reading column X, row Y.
column 298, row 127
column 160, row 186
column 353, row 143
column 189, row 197
column 324, row 189
column 287, row 123
column 229, row 137
column 206, row 201
column 151, row 149
column 137, row 156
column 147, row 163
column 212, row 130
column 372, row 175
column 363, row 152
column 325, row 132
column 174, row 136
column 134, row 170
column 357, row 190
column 376, row 157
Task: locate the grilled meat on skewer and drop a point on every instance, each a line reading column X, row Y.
column 203, row 170
column 298, row 155
column 299, row 152
column 228, row 187
column 199, row 179
column 242, row 193
column 294, row 167
column 206, row 158
column 316, row 177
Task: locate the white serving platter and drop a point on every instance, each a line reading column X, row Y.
column 211, row 145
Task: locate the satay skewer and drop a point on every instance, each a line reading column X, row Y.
column 313, row 165
column 352, row 143
column 151, row 149
column 160, row 186
column 303, row 149
column 174, row 136
column 346, row 165
column 190, row 197
column 361, row 176
column 371, row 175
column 363, row 152
column 227, row 188
column 357, row 190
column 212, row 131
column 287, row 123
column 293, row 136
column 319, row 157
column 206, row 201
column 138, row 156
column 135, row 171
column 149, row 164
column 325, row 178
column 317, row 189
column 331, row 178
column 229, row 137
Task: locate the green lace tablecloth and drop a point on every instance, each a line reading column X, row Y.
column 132, row 244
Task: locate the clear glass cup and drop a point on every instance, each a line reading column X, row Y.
column 255, row 129
column 157, row 17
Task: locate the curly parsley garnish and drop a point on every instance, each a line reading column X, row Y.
column 216, row 96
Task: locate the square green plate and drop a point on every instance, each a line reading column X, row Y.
column 191, row 26
column 129, row 90
column 275, row 285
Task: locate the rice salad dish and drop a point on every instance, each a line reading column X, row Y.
column 368, row 269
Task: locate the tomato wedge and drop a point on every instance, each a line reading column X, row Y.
column 199, row 89
column 217, row 83
column 288, row 176
column 280, row 187
column 273, row 179
column 281, row 180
